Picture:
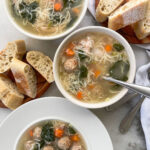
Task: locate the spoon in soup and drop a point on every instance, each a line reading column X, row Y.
column 142, row 90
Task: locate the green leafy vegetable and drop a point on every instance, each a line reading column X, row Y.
column 47, row 134
column 120, row 70
column 83, row 72
column 71, row 130
column 81, row 55
column 119, row 47
column 28, row 11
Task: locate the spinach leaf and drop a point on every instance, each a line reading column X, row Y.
column 118, row 47
column 36, row 147
column 28, row 11
column 81, row 55
column 47, row 134
column 83, row 72
column 71, row 130
column 120, row 70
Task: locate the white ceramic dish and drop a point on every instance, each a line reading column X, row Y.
column 91, row 128
column 85, row 5
column 114, row 35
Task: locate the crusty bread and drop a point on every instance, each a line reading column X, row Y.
column 105, row 8
column 42, row 63
column 142, row 28
column 9, row 93
column 14, row 49
column 131, row 12
column 25, row 78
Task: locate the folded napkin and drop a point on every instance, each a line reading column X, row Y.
column 141, row 79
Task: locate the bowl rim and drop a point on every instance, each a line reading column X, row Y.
column 132, row 71
column 34, row 36
column 82, row 133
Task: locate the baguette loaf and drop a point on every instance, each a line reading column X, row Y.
column 142, row 28
column 131, row 12
column 25, row 78
column 42, row 63
column 9, row 93
column 105, row 8
column 14, row 49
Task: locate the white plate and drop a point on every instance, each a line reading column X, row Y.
column 54, row 107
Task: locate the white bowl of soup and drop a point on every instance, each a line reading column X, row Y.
column 51, row 134
column 46, row 19
column 87, row 55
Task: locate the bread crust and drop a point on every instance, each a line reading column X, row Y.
column 126, row 16
column 18, row 69
column 101, row 16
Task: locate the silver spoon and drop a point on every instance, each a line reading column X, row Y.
column 133, row 87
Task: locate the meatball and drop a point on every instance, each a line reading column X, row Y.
column 76, row 146
column 70, row 64
column 37, row 132
column 48, row 148
column 29, row 145
column 64, row 143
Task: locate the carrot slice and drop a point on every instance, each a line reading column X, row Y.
column 76, row 10
column 97, row 73
column 91, row 86
column 70, row 52
column 58, row 6
column 59, row 132
column 75, row 138
column 31, row 133
column 79, row 95
column 108, row 48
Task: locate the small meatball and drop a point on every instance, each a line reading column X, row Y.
column 76, row 146
column 98, row 53
column 64, row 143
column 87, row 44
column 48, row 148
column 29, row 145
column 37, row 132
column 70, row 64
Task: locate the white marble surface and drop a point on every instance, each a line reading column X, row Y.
column 134, row 139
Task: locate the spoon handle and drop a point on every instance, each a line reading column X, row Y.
column 127, row 121
column 133, row 87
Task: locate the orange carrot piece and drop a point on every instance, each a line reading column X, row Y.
column 76, row 10
column 75, row 138
column 31, row 133
column 58, row 6
column 79, row 95
column 71, row 45
column 70, row 52
column 108, row 48
column 97, row 73
column 59, row 132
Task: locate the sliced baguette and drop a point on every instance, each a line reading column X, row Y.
column 9, row 93
column 25, row 78
column 131, row 12
column 105, row 8
column 14, row 49
column 42, row 63
column 142, row 28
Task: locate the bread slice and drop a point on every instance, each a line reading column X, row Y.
column 9, row 93
column 14, row 49
column 131, row 12
column 42, row 63
column 25, row 78
column 105, row 8
column 142, row 28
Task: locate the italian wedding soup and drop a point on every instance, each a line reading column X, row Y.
column 51, row 135
column 45, row 17
column 85, row 60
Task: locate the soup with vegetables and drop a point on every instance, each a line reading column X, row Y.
column 46, row 17
column 85, row 60
column 51, row 135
